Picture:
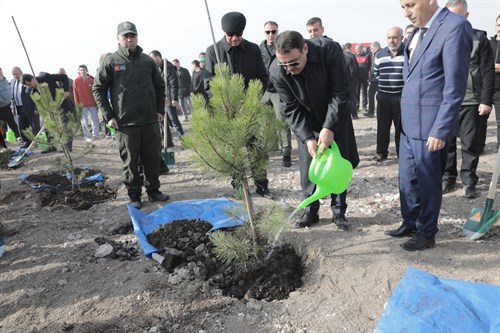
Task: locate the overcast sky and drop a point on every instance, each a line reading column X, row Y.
column 67, row 33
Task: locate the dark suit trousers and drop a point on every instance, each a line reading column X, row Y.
column 372, row 90
column 28, row 119
column 469, row 129
column 7, row 116
column 388, row 113
column 420, row 173
column 338, row 204
column 140, row 143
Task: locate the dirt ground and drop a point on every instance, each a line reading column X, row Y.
column 51, row 281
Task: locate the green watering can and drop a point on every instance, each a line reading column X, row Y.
column 330, row 172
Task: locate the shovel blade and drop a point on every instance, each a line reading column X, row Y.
column 480, row 221
column 16, row 161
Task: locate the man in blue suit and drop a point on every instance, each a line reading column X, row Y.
column 436, row 66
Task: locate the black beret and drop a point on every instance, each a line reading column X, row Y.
column 233, row 22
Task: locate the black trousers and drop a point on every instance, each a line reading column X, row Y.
column 353, row 103
column 362, row 93
column 7, row 116
column 372, row 91
column 140, row 143
column 388, row 112
column 468, row 131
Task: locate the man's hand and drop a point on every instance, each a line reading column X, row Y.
column 312, row 145
column 497, row 68
column 66, row 94
column 160, row 118
column 434, row 144
column 113, row 123
column 484, row 109
column 325, row 138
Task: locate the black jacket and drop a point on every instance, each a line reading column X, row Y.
column 245, row 59
column 184, row 82
column 326, row 83
column 495, row 47
column 136, row 88
column 54, row 81
column 480, row 83
column 268, row 56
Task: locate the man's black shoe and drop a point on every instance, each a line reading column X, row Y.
column 136, row 204
column 368, row 114
column 419, row 242
column 157, row 196
column 287, row 161
column 341, row 222
column 164, row 170
column 307, row 219
column 263, row 192
column 402, row 231
column 48, row 150
column 447, row 185
column 135, row 200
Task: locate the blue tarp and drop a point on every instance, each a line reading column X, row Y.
column 211, row 211
column 424, row 303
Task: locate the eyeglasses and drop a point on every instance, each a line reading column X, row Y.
column 237, row 34
column 289, row 64
column 272, row 32
column 293, row 63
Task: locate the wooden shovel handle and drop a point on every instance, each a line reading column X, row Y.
column 494, row 178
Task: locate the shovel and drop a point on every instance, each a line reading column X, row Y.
column 15, row 162
column 330, row 172
column 481, row 219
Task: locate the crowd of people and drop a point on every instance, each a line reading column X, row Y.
column 435, row 80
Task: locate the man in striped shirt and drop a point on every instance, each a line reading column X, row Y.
column 388, row 68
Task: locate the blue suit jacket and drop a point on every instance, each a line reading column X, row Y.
column 435, row 82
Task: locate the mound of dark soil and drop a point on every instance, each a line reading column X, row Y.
column 56, row 190
column 82, row 199
column 187, row 246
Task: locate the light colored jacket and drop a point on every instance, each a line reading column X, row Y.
column 5, row 93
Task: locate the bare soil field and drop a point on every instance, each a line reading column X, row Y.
column 52, row 281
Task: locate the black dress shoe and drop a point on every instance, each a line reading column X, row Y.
column 447, row 185
column 48, row 150
column 402, row 231
column 419, row 242
column 341, row 222
column 157, row 196
column 264, row 192
column 307, row 219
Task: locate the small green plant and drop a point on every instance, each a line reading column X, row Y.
column 61, row 125
column 232, row 136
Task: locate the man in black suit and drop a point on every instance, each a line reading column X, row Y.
column 312, row 81
column 53, row 81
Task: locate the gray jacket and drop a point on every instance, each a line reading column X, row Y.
column 5, row 93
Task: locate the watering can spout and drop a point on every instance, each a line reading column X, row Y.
column 318, row 194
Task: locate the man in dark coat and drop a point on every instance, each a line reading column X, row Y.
column 242, row 57
column 53, row 81
column 313, row 83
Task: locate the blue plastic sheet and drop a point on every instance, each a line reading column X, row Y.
column 209, row 210
column 424, row 303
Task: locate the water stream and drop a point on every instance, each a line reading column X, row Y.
column 273, row 245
